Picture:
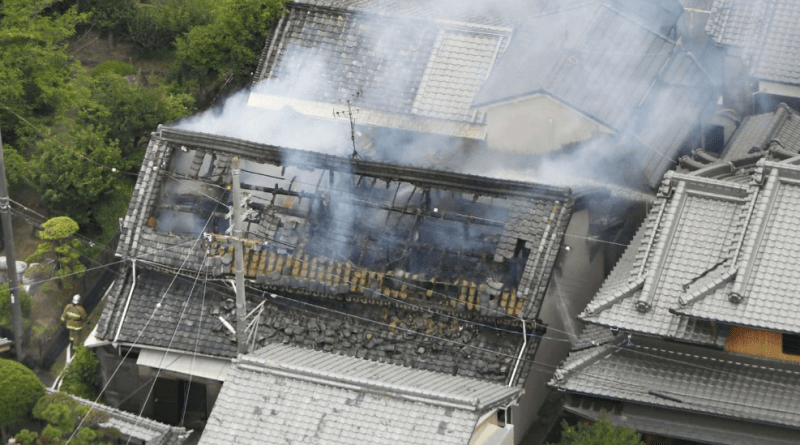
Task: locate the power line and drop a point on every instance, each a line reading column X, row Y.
column 169, row 345
column 141, row 332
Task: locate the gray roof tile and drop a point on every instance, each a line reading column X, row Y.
column 428, row 69
column 702, row 380
column 766, row 276
column 266, row 391
column 133, row 426
column 691, row 230
column 765, row 34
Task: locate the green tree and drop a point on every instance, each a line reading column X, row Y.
column 5, row 307
column 131, row 112
column 81, row 377
column 233, row 41
column 34, row 65
column 601, row 432
column 57, row 241
column 73, row 170
column 20, row 391
column 63, row 415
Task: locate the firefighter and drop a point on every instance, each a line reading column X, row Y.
column 75, row 316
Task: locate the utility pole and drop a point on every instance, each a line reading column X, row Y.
column 238, row 254
column 11, row 261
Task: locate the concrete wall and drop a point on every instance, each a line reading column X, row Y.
column 536, row 124
column 574, row 282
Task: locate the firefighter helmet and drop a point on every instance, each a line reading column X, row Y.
column 76, row 299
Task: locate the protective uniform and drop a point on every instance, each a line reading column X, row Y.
column 75, row 316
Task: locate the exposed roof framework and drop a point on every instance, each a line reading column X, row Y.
column 361, row 256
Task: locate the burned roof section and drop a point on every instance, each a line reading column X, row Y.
column 186, row 315
column 341, row 254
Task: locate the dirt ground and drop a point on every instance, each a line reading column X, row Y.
column 92, row 49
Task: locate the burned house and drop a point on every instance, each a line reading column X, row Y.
column 590, row 73
column 760, row 49
column 694, row 334
column 412, row 268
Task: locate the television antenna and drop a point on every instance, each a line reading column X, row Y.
column 350, row 115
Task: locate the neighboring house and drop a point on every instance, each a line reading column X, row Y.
column 590, row 70
column 420, row 269
column 695, row 333
column 284, row 394
column 761, row 42
column 407, row 67
column 134, row 430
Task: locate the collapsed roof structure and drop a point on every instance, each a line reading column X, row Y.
column 424, row 269
column 713, row 269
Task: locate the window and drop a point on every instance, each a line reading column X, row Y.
column 791, row 344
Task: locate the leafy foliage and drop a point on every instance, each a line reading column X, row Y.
column 233, row 41
column 110, row 16
column 70, row 173
column 601, row 432
column 34, row 65
column 156, row 26
column 63, row 415
column 5, row 307
column 21, row 390
column 114, row 66
column 56, row 241
column 81, row 377
column 130, row 112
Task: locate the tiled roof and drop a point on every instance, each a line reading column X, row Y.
column 500, row 13
column 594, row 335
column 481, row 247
column 344, row 400
column 686, row 378
column 763, row 32
column 590, row 57
column 403, row 337
column 690, row 232
column 612, row 68
column 774, row 135
column 431, row 69
column 136, row 427
column 715, row 249
column 763, row 289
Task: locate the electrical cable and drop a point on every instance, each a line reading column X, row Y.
column 141, row 332
column 169, row 346
column 194, row 353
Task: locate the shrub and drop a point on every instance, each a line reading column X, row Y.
column 602, row 432
column 20, row 391
column 156, row 26
column 81, row 377
column 114, row 66
column 5, row 307
column 63, row 415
